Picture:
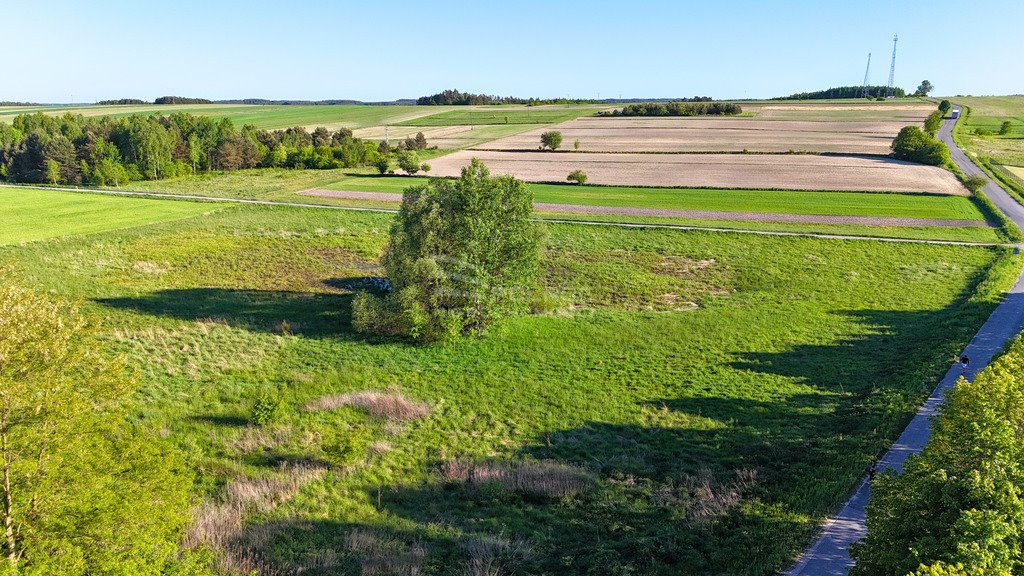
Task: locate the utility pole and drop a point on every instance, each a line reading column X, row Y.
column 864, row 85
column 892, row 67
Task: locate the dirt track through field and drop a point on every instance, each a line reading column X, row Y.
column 694, row 214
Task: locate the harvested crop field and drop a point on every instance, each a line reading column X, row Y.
column 445, row 137
column 788, row 171
column 880, row 112
column 696, row 134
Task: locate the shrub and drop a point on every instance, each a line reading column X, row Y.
column 975, row 183
column 1004, row 129
column 577, row 176
column 914, row 145
column 382, row 165
column 945, row 106
column 408, row 161
column 266, row 408
column 349, row 448
column 551, row 140
column 933, row 122
column 462, row 254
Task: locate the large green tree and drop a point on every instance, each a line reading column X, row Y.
column 462, row 254
column 962, row 500
column 914, row 145
column 81, row 492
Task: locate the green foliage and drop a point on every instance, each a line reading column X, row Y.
column 960, row 500
column 108, row 151
column 551, row 139
column 1005, row 127
column 876, row 92
column 577, row 176
column 463, row 253
column 266, row 408
column 933, row 122
column 913, row 145
column 945, row 106
column 924, row 88
column 409, row 161
column 83, row 492
column 699, row 108
column 348, row 448
column 975, row 183
column 943, row 569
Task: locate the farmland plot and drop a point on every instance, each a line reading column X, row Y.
column 798, row 172
column 696, row 134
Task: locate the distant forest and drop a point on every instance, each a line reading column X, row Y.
column 845, row 92
column 456, row 98
column 679, row 108
column 73, row 149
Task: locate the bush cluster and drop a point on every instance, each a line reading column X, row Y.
column 914, row 145
column 462, row 253
column 846, row 92
column 960, row 500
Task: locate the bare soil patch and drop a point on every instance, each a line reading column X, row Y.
column 711, row 135
column 794, row 172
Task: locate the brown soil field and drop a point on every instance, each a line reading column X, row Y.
column 783, row 171
column 711, row 135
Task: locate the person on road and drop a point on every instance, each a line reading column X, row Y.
column 964, row 362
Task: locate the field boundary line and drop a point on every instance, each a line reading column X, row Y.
column 216, row 200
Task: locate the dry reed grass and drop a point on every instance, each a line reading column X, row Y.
column 388, row 404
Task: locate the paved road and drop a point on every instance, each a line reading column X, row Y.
column 554, row 220
column 1010, row 207
column 829, row 555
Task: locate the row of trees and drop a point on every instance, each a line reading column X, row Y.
column 73, row 149
column 960, row 502
column 845, row 92
column 457, row 98
column 677, row 108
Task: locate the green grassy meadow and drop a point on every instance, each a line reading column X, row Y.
column 662, row 363
column 31, row 214
column 989, row 113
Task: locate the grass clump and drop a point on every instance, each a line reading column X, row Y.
column 387, row 404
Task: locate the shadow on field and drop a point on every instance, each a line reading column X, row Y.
column 281, row 312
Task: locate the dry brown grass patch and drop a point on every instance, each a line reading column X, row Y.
column 388, row 404
column 547, row 478
column 219, row 525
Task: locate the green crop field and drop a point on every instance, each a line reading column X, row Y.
column 988, row 113
column 271, row 117
column 503, row 115
column 28, row 214
column 664, row 363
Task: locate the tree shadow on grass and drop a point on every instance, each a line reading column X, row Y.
column 311, row 314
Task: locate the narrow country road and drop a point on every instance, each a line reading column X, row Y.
column 829, row 555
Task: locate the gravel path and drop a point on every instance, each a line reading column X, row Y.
column 697, row 214
column 829, row 555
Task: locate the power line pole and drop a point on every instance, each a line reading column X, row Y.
column 864, row 85
column 892, row 67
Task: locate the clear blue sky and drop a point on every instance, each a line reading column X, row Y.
column 60, row 51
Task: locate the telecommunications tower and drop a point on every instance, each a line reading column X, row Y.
column 892, row 67
column 864, row 85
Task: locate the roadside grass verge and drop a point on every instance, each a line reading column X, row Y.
column 607, row 430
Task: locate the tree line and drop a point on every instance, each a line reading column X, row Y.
column 845, row 92
column 457, row 98
column 677, row 108
column 73, row 149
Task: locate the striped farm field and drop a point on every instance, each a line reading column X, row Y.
column 794, row 172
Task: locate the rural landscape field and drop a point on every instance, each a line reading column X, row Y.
column 381, row 330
